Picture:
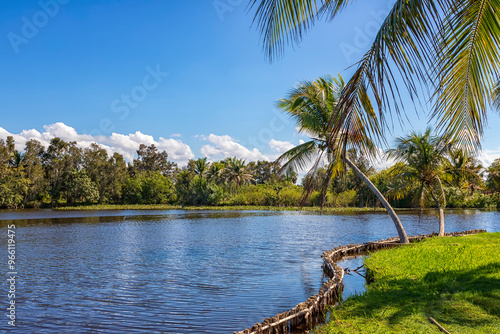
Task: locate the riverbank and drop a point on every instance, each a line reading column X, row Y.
column 454, row 280
column 213, row 208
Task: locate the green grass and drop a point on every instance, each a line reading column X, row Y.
column 455, row 280
column 217, row 208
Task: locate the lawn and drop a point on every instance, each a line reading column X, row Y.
column 455, row 280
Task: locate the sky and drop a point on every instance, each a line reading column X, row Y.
column 187, row 76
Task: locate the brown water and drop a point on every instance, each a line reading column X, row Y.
column 182, row 271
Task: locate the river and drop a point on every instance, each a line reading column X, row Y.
column 182, row 271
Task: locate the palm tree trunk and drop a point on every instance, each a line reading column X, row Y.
column 441, row 215
column 441, row 209
column 441, row 221
column 403, row 238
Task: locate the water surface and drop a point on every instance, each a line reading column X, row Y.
column 183, row 271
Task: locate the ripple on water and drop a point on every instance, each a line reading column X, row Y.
column 184, row 272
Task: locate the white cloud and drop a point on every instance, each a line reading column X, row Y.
column 280, row 146
column 127, row 145
column 488, row 156
column 382, row 161
column 224, row 147
column 175, row 135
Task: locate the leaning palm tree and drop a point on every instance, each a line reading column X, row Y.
column 423, row 158
column 445, row 50
column 313, row 105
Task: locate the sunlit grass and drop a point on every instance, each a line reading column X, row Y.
column 455, row 280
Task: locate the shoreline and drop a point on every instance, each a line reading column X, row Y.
column 103, row 207
column 214, row 208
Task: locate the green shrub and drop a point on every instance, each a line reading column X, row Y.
column 290, row 196
column 344, row 199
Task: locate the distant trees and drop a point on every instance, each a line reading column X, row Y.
column 64, row 174
column 151, row 178
column 148, row 188
column 34, row 172
column 151, row 160
column 13, row 184
column 493, row 180
column 80, row 188
column 463, row 172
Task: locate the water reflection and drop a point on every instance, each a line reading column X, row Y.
column 184, row 272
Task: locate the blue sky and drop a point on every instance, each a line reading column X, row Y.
column 189, row 76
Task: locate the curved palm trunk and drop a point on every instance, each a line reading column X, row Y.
column 403, row 238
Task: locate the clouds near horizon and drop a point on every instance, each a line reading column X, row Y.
column 127, row 145
column 225, row 146
column 217, row 147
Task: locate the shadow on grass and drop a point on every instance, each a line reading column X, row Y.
column 447, row 296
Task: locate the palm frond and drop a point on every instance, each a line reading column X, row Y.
column 405, row 40
column 468, row 69
column 283, row 22
column 299, row 157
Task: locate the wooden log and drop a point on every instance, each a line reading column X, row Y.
column 439, row 326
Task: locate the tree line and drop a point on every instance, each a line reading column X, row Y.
column 64, row 174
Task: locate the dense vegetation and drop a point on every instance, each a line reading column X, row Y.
column 453, row 280
column 64, row 174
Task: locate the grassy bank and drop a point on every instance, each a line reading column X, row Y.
column 455, row 280
column 215, row 208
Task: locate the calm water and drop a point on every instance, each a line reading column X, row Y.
column 182, row 272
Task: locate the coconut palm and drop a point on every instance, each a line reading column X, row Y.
column 216, row 172
column 493, row 180
column 464, row 172
column 423, row 158
column 313, row 105
column 447, row 50
column 237, row 173
column 201, row 166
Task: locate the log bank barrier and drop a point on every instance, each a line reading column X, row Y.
column 311, row 312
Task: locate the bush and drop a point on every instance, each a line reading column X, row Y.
column 290, row 196
column 259, row 195
column 205, row 193
column 341, row 200
column 148, row 188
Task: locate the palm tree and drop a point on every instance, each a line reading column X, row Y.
column 465, row 172
column 216, row 172
column 423, row 157
column 445, row 50
column 313, row 105
column 236, row 173
column 201, row 166
column 493, row 180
